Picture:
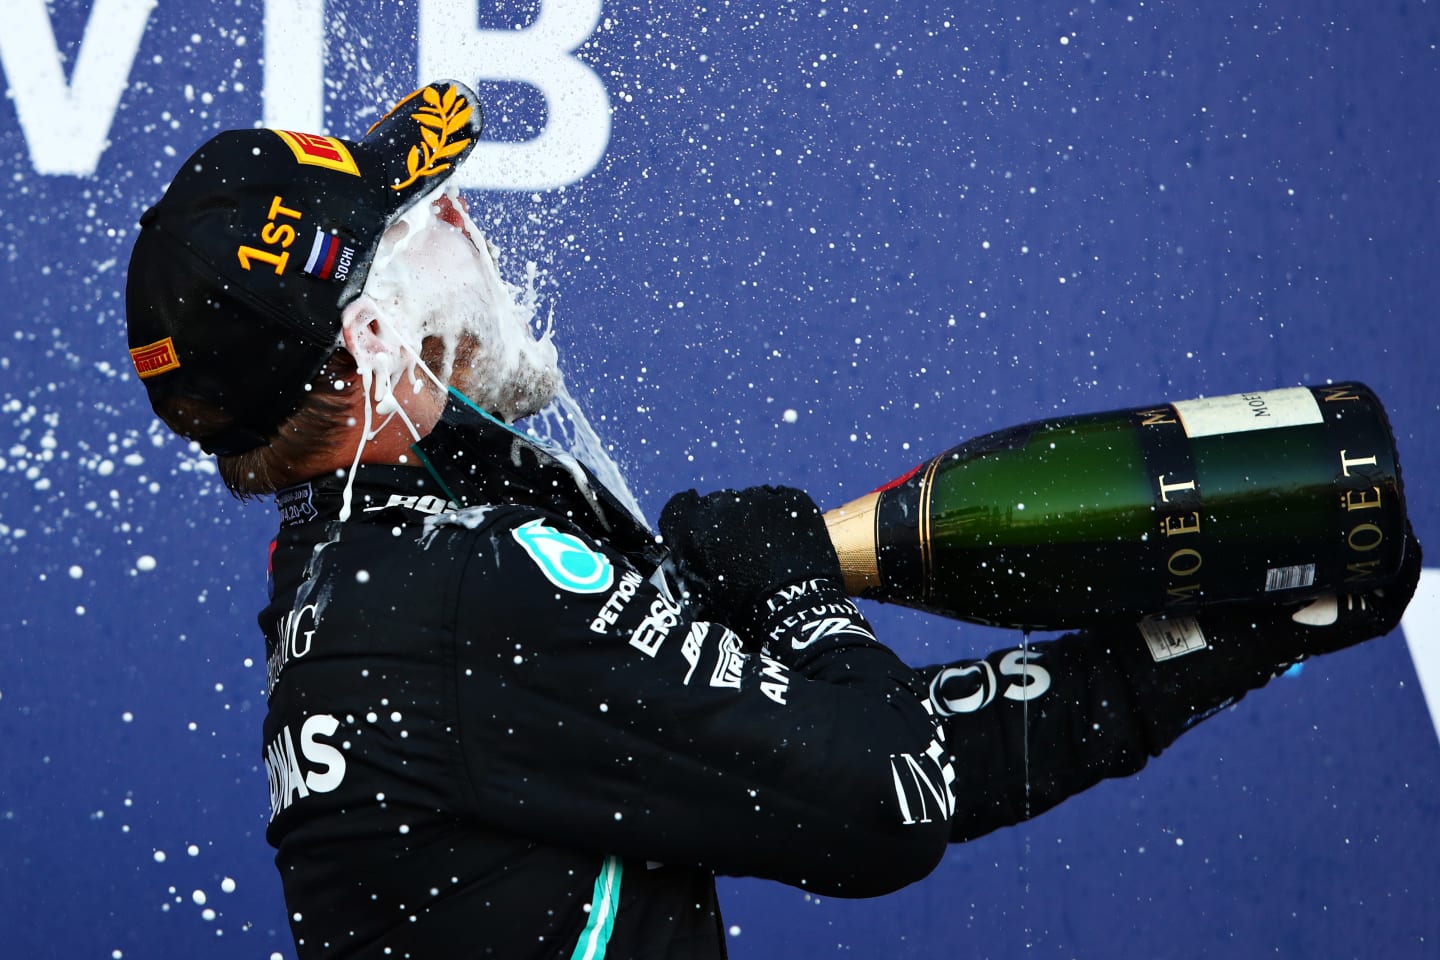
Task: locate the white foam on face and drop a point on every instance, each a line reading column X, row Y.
column 563, row 422
column 430, row 279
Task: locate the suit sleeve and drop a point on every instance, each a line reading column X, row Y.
column 595, row 713
column 1037, row 724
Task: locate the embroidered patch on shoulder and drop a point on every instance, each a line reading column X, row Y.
column 296, row 504
column 565, row 559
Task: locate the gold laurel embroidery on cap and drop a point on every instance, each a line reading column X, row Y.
column 440, row 119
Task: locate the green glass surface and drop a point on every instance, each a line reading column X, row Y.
column 1014, row 531
column 1056, row 524
column 1078, row 481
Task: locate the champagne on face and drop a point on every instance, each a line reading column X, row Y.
column 1277, row 494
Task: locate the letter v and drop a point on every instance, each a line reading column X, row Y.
column 1421, row 625
column 66, row 125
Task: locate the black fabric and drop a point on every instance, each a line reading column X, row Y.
column 472, row 718
column 1033, row 725
column 501, row 735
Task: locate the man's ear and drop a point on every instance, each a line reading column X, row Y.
column 383, row 362
column 360, row 329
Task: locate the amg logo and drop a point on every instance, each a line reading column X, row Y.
column 776, row 682
column 294, row 634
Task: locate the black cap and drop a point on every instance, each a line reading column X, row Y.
column 241, row 271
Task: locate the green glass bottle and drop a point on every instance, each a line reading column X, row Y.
column 1278, row 494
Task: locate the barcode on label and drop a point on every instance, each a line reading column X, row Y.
column 1288, row 578
column 1171, row 638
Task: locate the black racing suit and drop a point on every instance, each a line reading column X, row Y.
column 495, row 731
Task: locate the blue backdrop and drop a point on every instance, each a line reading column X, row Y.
column 801, row 242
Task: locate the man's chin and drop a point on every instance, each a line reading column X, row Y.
column 524, row 395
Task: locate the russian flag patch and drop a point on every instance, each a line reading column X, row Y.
column 330, row 257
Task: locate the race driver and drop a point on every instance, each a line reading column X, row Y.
column 504, row 720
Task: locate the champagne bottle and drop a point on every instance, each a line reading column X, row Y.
column 1152, row 511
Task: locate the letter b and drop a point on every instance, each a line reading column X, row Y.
column 577, row 130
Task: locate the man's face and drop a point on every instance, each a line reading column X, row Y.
column 435, row 281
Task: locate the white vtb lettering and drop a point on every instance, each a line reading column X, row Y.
column 67, row 125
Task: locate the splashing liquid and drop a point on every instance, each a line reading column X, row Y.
column 435, row 280
column 1025, row 761
column 563, row 423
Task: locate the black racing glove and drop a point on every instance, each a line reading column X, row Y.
column 1181, row 677
column 735, row 548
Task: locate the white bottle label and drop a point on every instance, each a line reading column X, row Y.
column 1172, row 637
column 1243, row 412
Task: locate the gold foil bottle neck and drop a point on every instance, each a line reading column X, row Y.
column 852, row 532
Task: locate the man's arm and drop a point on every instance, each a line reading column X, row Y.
column 1027, row 728
column 1038, row 724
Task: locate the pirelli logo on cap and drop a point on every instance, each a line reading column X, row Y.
column 155, row 358
column 318, row 151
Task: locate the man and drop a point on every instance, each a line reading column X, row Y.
column 498, row 724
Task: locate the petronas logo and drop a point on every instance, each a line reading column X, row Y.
column 565, row 559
